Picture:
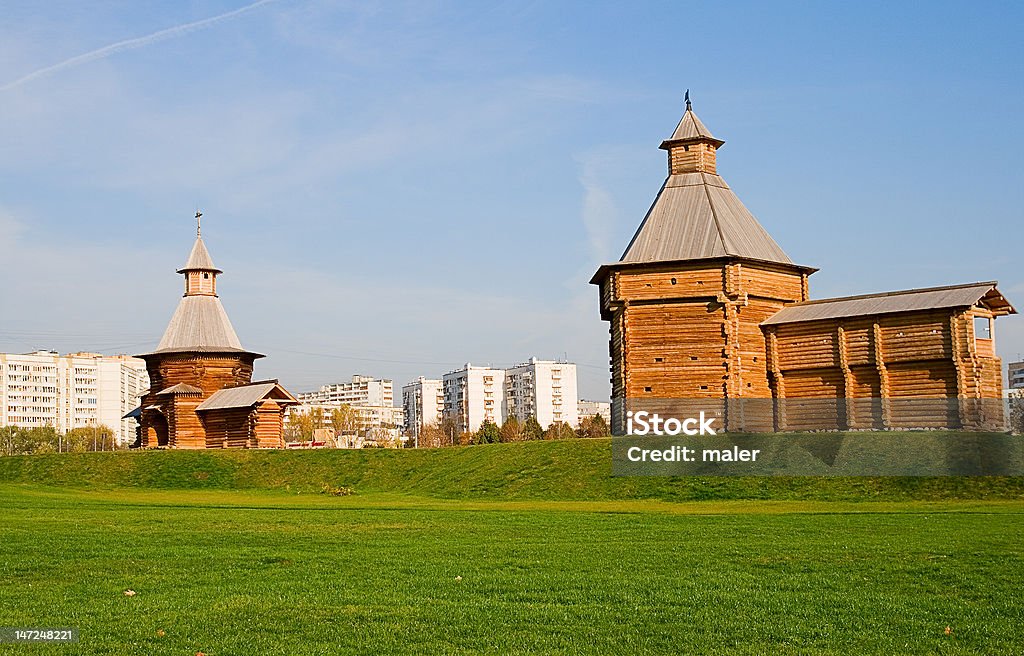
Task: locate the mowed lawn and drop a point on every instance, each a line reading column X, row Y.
column 268, row 572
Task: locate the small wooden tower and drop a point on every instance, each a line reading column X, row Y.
column 686, row 300
column 201, row 391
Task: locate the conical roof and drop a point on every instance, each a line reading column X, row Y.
column 697, row 216
column 199, row 259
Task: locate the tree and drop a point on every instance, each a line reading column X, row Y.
column 432, row 436
column 512, row 430
column 1017, row 411
column 450, row 431
column 345, row 420
column 559, row 431
column 594, row 426
column 488, row 434
column 532, row 429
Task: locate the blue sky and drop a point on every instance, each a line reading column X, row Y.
column 397, row 188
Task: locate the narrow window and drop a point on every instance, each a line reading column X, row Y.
column 982, row 328
column 659, row 359
column 647, row 389
column 673, row 281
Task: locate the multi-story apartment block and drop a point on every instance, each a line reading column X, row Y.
column 1015, row 377
column 545, row 389
column 473, row 395
column 423, row 400
column 71, row 391
column 587, row 409
column 363, row 390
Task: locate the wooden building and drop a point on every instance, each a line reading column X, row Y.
column 201, row 391
column 705, row 306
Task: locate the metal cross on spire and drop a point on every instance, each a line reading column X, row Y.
column 199, row 223
column 688, row 99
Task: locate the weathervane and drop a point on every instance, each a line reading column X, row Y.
column 199, row 223
column 688, row 99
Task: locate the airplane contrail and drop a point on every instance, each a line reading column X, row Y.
column 131, row 44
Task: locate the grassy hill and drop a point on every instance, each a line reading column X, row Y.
column 561, row 470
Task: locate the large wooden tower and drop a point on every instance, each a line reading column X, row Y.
column 686, row 300
column 201, row 391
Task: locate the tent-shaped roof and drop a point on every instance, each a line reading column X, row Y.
column 690, row 128
column 246, row 396
column 200, row 325
column 199, row 259
column 697, row 216
column 932, row 298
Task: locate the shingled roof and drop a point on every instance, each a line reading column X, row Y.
column 697, row 216
column 199, row 259
column 246, row 396
column 690, row 128
column 932, row 298
column 200, row 324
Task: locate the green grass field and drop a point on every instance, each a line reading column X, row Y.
column 524, row 548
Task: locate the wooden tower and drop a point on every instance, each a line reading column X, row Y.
column 686, row 300
column 201, row 391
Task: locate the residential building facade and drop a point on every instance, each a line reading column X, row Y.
column 587, row 409
column 1015, row 375
column 423, row 401
column 544, row 389
column 77, row 390
column 362, row 390
column 473, row 395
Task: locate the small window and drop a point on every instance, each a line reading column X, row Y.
column 693, row 357
column 206, row 276
column 673, row 281
column 982, row 328
column 647, row 389
column 659, row 359
column 703, row 387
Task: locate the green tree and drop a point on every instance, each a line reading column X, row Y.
column 594, row 426
column 559, row 431
column 532, row 429
column 488, row 433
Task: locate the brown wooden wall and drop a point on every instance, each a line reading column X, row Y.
column 692, row 330
column 930, row 357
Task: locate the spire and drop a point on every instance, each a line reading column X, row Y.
column 691, row 148
column 200, row 271
column 690, row 130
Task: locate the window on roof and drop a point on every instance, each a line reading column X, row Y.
column 982, row 328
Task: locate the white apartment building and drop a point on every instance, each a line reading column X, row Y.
column 423, row 400
column 587, row 409
column 545, row 389
column 70, row 391
column 363, row 390
column 1015, row 375
column 473, row 395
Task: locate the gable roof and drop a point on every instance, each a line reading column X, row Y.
column 245, row 396
column 199, row 259
column 697, row 216
column 200, row 325
column 932, row 298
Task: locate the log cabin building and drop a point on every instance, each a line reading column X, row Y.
column 201, row 392
column 705, row 306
